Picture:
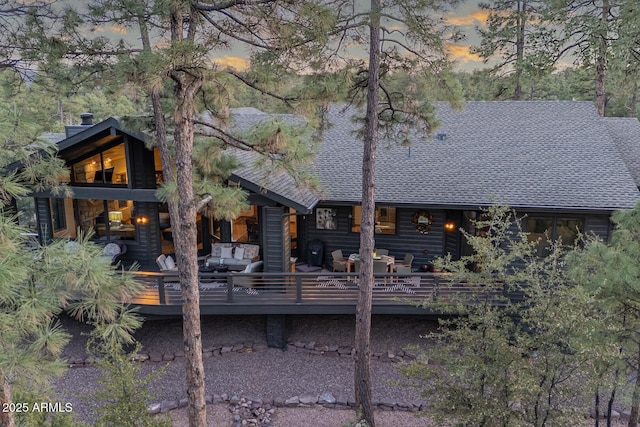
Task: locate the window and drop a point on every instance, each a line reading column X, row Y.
column 385, row 219
column 544, row 229
column 58, row 217
column 110, row 219
column 245, row 227
column 106, row 167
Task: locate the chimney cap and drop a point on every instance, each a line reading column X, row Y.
column 87, row 119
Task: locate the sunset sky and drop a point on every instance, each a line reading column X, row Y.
column 467, row 16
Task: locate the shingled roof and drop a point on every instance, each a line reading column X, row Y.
column 625, row 132
column 533, row 154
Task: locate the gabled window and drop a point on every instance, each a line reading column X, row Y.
column 107, row 167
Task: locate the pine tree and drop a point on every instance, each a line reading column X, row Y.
column 588, row 28
column 519, row 38
column 37, row 284
column 611, row 270
column 508, row 361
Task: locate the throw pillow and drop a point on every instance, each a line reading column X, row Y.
column 239, row 254
column 162, row 262
column 251, row 251
column 216, row 249
column 171, row 264
column 226, row 253
column 111, row 249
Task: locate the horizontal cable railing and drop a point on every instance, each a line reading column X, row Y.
column 313, row 288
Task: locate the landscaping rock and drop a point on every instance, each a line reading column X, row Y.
column 326, row 398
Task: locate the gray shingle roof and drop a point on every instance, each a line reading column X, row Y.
column 53, row 137
column 547, row 154
column 625, row 132
column 276, row 185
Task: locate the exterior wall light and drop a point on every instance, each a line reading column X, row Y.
column 450, row 226
column 142, row 220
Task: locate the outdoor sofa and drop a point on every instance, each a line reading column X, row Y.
column 237, row 256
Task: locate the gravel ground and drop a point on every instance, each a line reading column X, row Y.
column 269, row 374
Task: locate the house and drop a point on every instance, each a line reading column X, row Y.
column 558, row 162
column 114, row 177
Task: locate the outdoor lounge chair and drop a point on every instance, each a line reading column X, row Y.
column 380, row 252
column 339, row 261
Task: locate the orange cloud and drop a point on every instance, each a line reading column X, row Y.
column 232, row 62
column 115, row 29
column 475, row 17
column 461, row 53
column 119, row 29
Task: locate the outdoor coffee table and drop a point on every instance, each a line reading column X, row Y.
column 207, row 269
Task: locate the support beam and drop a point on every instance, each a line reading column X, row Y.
column 276, row 330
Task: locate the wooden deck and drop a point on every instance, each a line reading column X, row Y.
column 307, row 293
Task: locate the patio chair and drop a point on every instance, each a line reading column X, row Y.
column 339, row 261
column 403, row 269
column 406, row 263
column 380, row 266
column 123, row 250
column 381, row 252
column 113, row 251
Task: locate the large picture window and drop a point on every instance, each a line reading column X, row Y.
column 109, row 219
column 106, row 167
column 385, row 219
column 545, row 229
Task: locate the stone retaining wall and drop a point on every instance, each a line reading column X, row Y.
column 305, row 400
column 325, row 399
column 308, row 347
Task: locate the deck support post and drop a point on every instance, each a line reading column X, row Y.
column 276, row 330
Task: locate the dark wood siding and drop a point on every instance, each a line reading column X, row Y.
column 146, row 248
column 424, row 247
column 453, row 239
column 275, row 242
column 599, row 225
column 141, row 164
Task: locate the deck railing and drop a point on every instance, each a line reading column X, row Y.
column 308, row 292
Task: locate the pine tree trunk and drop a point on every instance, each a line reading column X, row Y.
column 362, row 372
column 186, row 246
column 633, row 107
column 520, row 35
column 187, row 82
column 7, row 418
column 635, row 399
column 601, row 61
